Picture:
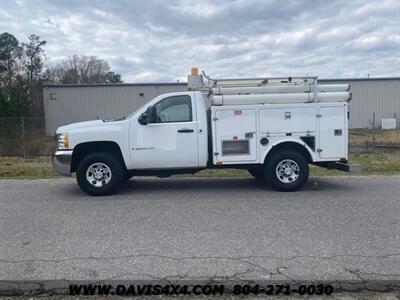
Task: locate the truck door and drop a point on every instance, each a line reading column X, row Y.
column 172, row 141
column 234, row 135
column 333, row 132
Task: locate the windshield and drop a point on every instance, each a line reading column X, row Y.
column 132, row 114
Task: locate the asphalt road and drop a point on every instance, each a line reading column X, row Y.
column 342, row 229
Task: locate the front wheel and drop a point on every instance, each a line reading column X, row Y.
column 99, row 174
column 286, row 170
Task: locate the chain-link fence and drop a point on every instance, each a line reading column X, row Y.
column 24, row 137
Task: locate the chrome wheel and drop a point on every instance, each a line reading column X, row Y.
column 98, row 174
column 287, row 171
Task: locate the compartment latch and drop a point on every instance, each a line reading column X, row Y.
column 249, row 135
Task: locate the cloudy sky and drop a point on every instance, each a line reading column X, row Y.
column 148, row 41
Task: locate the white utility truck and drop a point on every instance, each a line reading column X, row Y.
column 273, row 127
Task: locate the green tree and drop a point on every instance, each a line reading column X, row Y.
column 10, row 56
column 112, row 77
column 20, row 104
column 10, row 52
column 34, row 57
column 82, row 70
column 33, row 63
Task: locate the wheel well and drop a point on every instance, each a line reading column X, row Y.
column 84, row 149
column 290, row 146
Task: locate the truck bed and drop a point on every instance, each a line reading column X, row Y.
column 244, row 134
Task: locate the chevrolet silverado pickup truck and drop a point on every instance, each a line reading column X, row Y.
column 272, row 127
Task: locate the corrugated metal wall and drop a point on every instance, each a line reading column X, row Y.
column 65, row 105
column 373, row 99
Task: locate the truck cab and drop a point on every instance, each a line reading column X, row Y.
column 275, row 136
column 170, row 132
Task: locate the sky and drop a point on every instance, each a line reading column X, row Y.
column 159, row 41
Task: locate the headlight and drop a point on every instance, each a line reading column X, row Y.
column 62, row 141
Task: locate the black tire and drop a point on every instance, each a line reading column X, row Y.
column 286, row 158
column 113, row 163
column 257, row 172
column 127, row 175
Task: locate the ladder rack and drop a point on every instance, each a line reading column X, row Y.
column 258, row 81
column 267, row 90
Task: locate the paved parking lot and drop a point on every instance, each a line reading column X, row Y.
column 338, row 229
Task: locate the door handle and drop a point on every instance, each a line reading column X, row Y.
column 184, row 130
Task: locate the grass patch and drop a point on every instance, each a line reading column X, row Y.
column 379, row 162
column 374, row 136
column 16, row 167
column 372, row 164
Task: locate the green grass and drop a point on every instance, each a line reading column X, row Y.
column 372, row 164
column 374, row 136
column 16, row 167
column 379, row 162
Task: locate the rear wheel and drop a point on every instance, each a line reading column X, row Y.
column 257, row 172
column 286, row 170
column 99, row 174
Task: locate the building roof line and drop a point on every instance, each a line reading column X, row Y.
column 113, row 84
column 359, row 79
column 185, row 83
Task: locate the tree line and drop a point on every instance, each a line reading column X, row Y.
column 23, row 72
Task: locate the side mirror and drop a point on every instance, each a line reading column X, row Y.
column 143, row 119
column 149, row 116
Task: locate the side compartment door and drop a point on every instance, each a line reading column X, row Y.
column 332, row 132
column 234, row 136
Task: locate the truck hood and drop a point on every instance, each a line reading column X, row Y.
column 79, row 125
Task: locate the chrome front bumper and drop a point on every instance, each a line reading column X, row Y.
column 62, row 162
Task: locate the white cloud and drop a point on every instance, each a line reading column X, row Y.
column 161, row 40
column 198, row 9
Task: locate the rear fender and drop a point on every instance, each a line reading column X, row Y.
column 288, row 144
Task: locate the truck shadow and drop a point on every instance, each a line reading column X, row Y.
column 174, row 184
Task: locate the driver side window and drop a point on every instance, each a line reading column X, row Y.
column 174, row 109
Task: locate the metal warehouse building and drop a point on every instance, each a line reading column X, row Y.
column 65, row 104
column 373, row 99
